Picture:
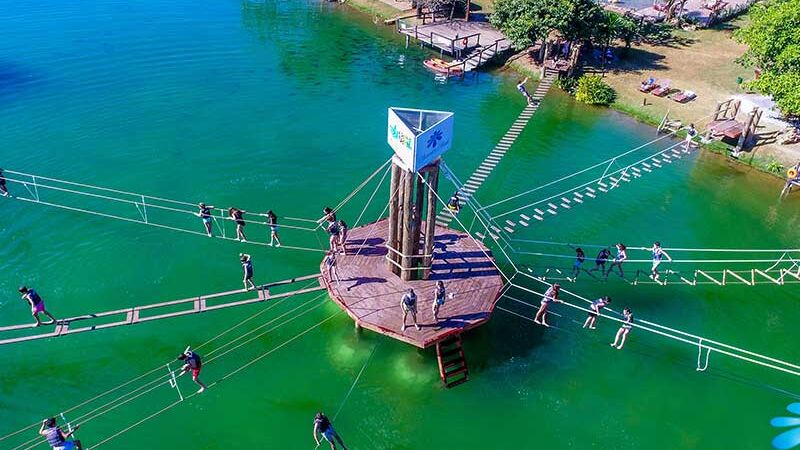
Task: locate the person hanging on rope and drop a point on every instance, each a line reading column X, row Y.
column 580, row 257
column 600, row 261
column 691, row 132
column 3, row 188
column 454, row 204
column 37, row 305
column 550, row 296
column 330, row 263
column 57, row 438
column 439, row 294
column 658, row 255
column 595, row 307
column 247, row 271
column 193, row 363
column 205, row 214
column 272, row 221
column 409, row 306
column 521, row 88
column 619, row 259
column 343, row 236
column 237, row 215
column 323, row 426
column 623, row 331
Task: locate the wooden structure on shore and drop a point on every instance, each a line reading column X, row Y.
column 726, row 126
column 409, row 250
column 163, row 310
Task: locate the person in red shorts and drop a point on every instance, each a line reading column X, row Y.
column 192, row 363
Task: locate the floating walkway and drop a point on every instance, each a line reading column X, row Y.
column 485, row 169
column 164, row 310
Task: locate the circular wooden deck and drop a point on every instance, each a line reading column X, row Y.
column 370, row 293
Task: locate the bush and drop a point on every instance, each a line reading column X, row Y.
column 592, row 90
column 567, row 84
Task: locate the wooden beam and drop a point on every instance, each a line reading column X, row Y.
column 407, row 235
column 430, row 229
column 394, row 215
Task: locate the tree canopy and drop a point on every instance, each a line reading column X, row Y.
column 526, row 21
column 773, row 38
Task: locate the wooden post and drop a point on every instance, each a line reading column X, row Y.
column 430, row 220
column 407, row 238
column 394, row 216
column 419, row 204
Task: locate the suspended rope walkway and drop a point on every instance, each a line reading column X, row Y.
column 146, row 313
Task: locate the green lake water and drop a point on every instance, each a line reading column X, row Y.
column 282, row 105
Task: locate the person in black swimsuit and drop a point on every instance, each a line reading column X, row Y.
column 237, row 215
column 205, row 214
column 247, row 270
column 272, row 222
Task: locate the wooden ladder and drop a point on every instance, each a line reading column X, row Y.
column 452, row 364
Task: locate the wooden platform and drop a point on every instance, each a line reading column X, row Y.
column 371, row 294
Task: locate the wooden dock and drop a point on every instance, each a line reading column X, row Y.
column 164, row 310
column 370, row 293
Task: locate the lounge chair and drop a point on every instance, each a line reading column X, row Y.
column 662, row 89
column 648, row 85
column 715, row 6
column 684, row 96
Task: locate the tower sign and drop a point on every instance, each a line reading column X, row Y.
column 418, row 137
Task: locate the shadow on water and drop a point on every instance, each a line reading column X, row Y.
column 14, row 79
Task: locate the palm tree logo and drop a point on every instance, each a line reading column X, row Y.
column 433, row 141
column 790, row 438
column 393, row 131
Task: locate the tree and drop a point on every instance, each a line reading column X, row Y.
column 773, row 38
column 525, row 22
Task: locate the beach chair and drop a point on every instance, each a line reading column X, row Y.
column 715, row 5
column 648, row 85
column 684, row 96
column 662, row 89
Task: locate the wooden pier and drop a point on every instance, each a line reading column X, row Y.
column 163, row 310
column 370, row 293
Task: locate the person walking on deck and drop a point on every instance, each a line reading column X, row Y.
column 580, row 257
column 330, row 264
column 658, row 255
column 409, row 306
column 56, row 438
column 3, row 188
column 600, row 261
column 334, row 235
column 343, row 236
column 521, row 89
column 37, row 305
column 550, row 296
column 247, row 271
column 595, row 307
column 622, row 255
column 623, row 331
column 205, row 215
column 193, row 363
column 323, row 426
column 272, row 221
column 237, row 215
column 439, row 294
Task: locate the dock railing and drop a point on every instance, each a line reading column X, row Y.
column 479, row 58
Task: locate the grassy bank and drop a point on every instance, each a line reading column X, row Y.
column 374, row 9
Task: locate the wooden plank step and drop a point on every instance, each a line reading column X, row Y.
column 510, row 230
column 523, row 223
column 525, row 217
column 538, row 217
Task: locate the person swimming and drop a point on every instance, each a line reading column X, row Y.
column 622, row 255
column 623, row 331
column 550, row 296
column 595, row 308
column 205, row 215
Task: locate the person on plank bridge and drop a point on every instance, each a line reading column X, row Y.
column 323, row 426
column 237, row 215
column 247, row 271
column 37, row 305
column 272, row 221
column 658, row 255
column 550, row 296
column 193, row 363
column 521, row 88
column 595, row 307
column 57, row 438
column 623, row 331
column 205, row 215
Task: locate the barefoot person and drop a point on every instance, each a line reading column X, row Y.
column 247, row 270
column 521, row 89
column 409, row 306
column 343, row 235
column 550, row 296
column 237, row 215
column 691, row 132
column 330, row 263
column 57, row 438
column 335, row 233
column 439, row 294
column 3, row 188
column 658, row 255
column 580, row 257
column 622, row 255
column 192, row 363
column 454, row 204
column 205, row 215
column 600, row 261
column 623, row 331
column 595, row 307
column 36, row 303
column 272, row 221
column 323, row 426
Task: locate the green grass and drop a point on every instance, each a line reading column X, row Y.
column 374, row 8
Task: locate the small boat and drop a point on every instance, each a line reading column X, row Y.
column 441, row 66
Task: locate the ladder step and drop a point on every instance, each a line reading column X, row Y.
column 523, row 223
column 457, row 382
column 538, row 217
column 453, row 362
column 525, row 217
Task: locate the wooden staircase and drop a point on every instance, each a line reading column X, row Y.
column 452, row 364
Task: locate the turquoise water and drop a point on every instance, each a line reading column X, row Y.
column 282, row 106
